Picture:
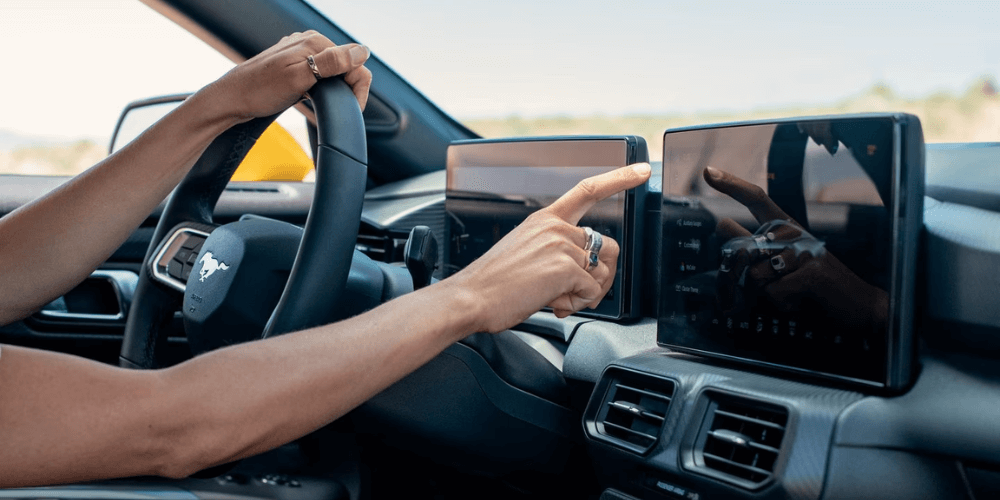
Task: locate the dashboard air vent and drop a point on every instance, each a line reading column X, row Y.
column 634, row 410
column 740, row 440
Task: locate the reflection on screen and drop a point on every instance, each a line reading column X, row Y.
column 494, row 186
column 486, row 203
column 785, row 259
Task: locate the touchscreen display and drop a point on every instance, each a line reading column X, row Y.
column 778, row 244
column 493, row 186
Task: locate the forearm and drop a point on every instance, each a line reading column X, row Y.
column 66, row 419
column 53, row 243
column 250, row 398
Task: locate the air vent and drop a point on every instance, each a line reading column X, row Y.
column 633, row 411
column 740, row 440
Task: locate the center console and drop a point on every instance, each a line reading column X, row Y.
column 785, row 275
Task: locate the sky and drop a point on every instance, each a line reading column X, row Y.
column 70, row 66
column 580, row 57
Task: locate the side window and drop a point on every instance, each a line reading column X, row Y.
column 87, row 60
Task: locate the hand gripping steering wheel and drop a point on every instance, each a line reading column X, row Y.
column 188, row 248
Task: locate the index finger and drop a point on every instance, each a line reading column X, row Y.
column 750, row 195
column 573, row 205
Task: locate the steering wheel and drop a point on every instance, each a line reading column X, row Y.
column 186, row 238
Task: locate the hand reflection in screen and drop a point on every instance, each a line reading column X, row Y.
column 784, row 264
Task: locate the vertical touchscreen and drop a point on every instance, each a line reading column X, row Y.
column 778, row 244
column 494, row 185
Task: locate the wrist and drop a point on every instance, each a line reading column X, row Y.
column 464, row 310
column 214, row 109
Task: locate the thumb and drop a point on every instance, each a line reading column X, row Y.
column 341, row 59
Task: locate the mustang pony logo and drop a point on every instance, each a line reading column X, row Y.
column 209, row 265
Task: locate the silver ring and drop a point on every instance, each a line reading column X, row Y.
column 762, row 244
column 592, row 261
column 594, row 240
column 777, row 263
column 312, row 66
column 593, row 245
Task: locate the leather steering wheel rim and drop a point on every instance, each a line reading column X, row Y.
column 323, row 261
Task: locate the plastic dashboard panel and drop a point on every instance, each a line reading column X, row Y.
column 949, row 412
column 961, row 282
column 938, row 440
column 813, row 413
column 839, row 444
column 961, row 173
column 926, row 443
column 844, row 445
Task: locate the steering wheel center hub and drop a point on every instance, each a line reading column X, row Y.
column 236, row 281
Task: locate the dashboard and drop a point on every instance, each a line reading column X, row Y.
column 658, row 422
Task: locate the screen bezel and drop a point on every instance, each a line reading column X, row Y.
column 906, row 217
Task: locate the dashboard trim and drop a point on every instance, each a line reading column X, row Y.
column 158, row 265
column 813, row 412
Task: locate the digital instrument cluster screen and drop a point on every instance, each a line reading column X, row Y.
column 493, row 186
column 778, row 244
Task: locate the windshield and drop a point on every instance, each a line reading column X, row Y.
column 520, row 67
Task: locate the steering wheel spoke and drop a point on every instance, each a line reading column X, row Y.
column 177, row 255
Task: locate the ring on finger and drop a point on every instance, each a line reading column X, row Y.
column 762, row 244
column 778, row 263
column 593, row 246
column 594, row 240
column 592, row 261
column 312, row 66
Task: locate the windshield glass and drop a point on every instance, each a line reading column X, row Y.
column 522, row 67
